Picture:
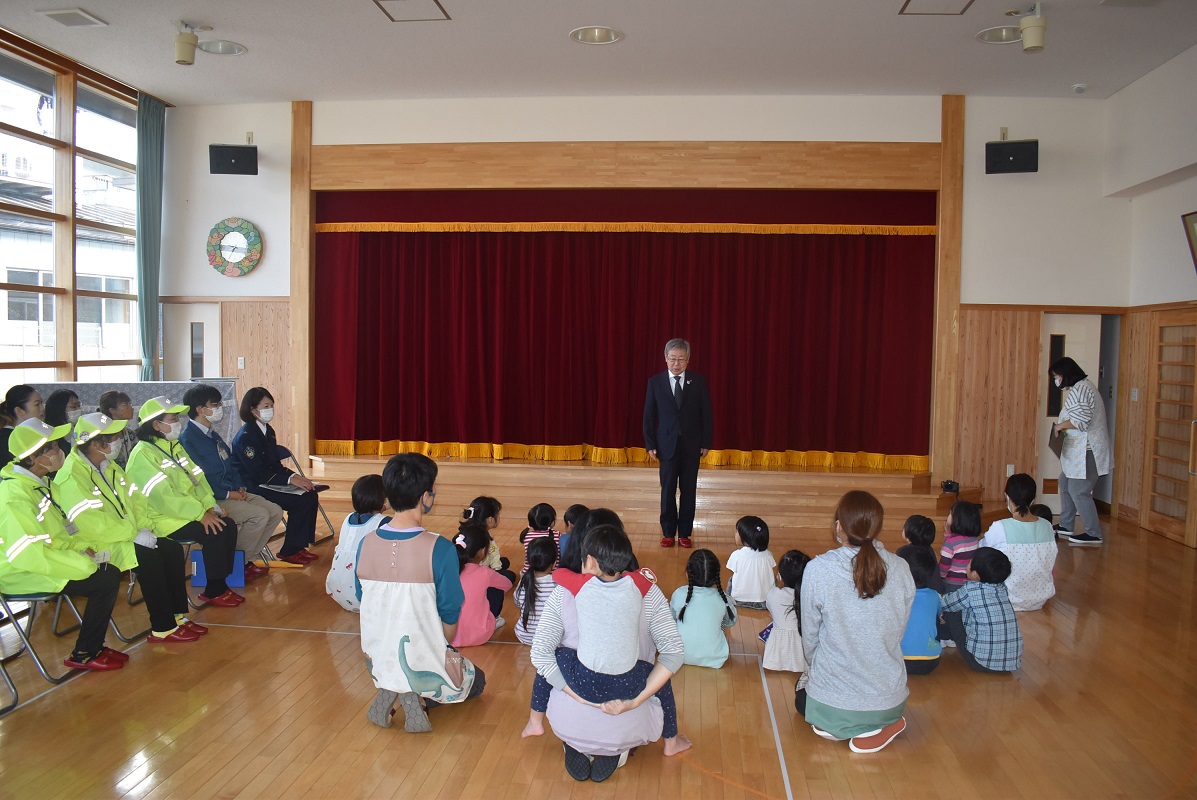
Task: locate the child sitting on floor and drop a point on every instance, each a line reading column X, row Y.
column 485, row 512
column 605, row 670
column 703, row 612
column 369, row 509
column 483, row 587
column 572, row 515
column 534, row 587
column 752, row 564
column 961, row 538
column 919, row 532
column 541, row 519
column 783, row 648
column 978, row 617
column 920, row 642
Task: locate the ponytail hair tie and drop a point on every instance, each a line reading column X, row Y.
column 460, row 541
column 468, row 513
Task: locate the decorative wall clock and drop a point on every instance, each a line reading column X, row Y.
column 234, row 247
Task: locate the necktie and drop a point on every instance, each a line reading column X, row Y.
column 677, row 390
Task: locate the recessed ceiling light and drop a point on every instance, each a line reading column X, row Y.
column 1003, row 34
column 222, row 47
column 595, row 34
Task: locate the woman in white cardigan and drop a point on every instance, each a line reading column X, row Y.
column 1085, row 455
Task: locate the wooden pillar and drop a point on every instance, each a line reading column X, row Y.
column 945, row 381
column 65, row 325
column 301, row 395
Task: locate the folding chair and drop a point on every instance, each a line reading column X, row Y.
column 33, row 600
column 12, row 691
column 295, row 461
column 111, row 621
column 188, row 544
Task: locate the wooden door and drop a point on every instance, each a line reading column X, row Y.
column 1169, row 489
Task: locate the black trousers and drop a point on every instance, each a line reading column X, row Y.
column 100, row 588
column 301, row 518
column 218, row 549
column 162, row 576
column 679, row 472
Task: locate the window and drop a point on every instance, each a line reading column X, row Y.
column 97, row 213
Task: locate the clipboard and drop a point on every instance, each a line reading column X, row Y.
column 1056, row 442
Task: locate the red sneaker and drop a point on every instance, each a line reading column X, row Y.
column 98, row 664
column 296, row 558
column 223, row 601
column 115, row 655
column 309, row 555
column 684, row 541
column 195, row 627
column 667, row 541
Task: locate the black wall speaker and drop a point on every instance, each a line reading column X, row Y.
column 1016, row 156
column 233, row 159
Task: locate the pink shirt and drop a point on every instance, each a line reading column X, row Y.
column 476, row 624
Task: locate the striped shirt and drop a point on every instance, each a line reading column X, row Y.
column 954, row 558
column 544, row 588
column 527, row 537
column 989, row 624
column 1083, row 407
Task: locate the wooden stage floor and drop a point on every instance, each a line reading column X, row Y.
column 271, row 704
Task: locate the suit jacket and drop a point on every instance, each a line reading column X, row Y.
column 669, row 429
column 258, row 457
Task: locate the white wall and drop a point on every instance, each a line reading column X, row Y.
column 1161, row 264
column 176, row 331
column 591, row 119
column 1050, row 237
column 195, row 200
column 1152, row 126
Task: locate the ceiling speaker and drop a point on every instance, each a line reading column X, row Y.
column 1015, row 156
column 233, row 159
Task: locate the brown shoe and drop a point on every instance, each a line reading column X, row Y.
column 877, row 741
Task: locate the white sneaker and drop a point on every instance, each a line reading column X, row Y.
column 499, row 622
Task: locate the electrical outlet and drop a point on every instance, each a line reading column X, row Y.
column 1009, row 470
column 1134, row 394
column 240, row 362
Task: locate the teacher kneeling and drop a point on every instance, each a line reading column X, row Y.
column 855, row 603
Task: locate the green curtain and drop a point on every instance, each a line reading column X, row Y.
column 151, row 135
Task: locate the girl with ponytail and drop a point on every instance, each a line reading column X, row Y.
column 703, row 611
column 855, row 601
column 535, row 586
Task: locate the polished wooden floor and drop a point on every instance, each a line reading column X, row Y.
column 272, row 702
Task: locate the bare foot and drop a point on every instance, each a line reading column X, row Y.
column 535, row 726
column 678, row 744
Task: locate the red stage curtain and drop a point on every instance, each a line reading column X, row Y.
column 812, row 342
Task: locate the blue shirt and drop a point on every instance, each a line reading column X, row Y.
column 207, row 449
column 920, row 641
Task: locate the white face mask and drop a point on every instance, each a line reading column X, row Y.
column 73, row 416
column 1058, row 381
column 175, row 429
column 216, row 414
column 266, row 414
column 56, row 459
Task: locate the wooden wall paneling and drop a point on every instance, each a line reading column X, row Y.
column 1130, row 432
column 996, row 415
column 300, row 394
column 545, row 165
column 949, row 241
column 261, row 334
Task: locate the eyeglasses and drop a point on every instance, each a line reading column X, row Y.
column 677, row 360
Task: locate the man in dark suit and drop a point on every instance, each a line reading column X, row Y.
column 677, row 432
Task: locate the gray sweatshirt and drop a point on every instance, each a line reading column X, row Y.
column 854, row 646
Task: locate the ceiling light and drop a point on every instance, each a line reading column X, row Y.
column 221, row 47
column 74, row 18
column 595, row 34
column 1032, row 29
column 1003, row 34
column 185, row 41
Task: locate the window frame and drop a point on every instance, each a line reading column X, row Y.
column 69, row 76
